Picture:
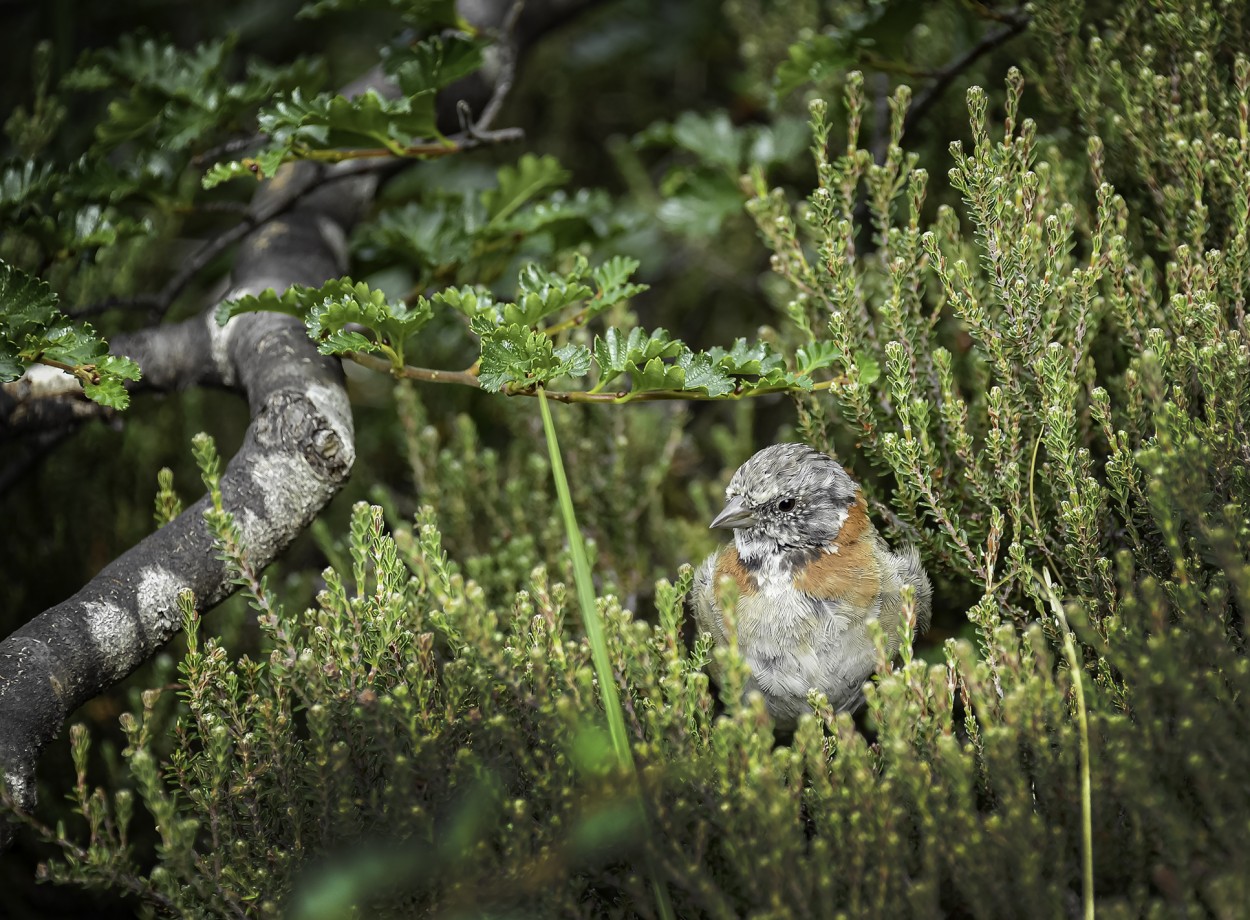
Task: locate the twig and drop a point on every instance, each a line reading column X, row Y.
column 136, row 885
column 229, row 148
column 943, row 78
column 343, row 164
column 1082, row 725
column 507, row 72
column 470, row 378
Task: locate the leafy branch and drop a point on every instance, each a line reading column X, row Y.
column 34, row 331
column 333, row 127
column 524, row 345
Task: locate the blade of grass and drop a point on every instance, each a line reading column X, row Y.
column 1082, row 724
column 598, row 644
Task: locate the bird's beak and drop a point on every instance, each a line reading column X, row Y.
column 735, row 514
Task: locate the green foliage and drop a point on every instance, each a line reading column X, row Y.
column 1036, row 366
column 519, row 343
column 331, row 311
column 699, row 199
column 600, row 656
column 33, row 331
column 406, row 709
column 334, row 127
column 178, row 98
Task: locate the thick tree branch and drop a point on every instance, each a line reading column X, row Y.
column 297, row 453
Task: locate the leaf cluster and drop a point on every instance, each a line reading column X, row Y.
column 33, row 331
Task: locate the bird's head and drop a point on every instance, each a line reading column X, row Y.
column 786, row 498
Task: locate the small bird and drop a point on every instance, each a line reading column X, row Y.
column 810, row 569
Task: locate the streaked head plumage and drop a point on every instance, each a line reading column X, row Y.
column 787, row 497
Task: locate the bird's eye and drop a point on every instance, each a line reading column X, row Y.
column 786, row 504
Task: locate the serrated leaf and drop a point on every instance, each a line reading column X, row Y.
column 516, row 354
column 178, row 97
column 655, row 375
column 327, row 311
column 392, row 323
column 22, row 183
column 436, row 62
column 518, row 184
column 615, row 352
column 691, row 371
column 118, row 366
column 429, row 236
column 813, row 60
column 294, row 301
column 344, row 341
column 262, row 166
column 541, row 293
column 109, row 391
column 614, row 272
column 746, row 358
column 700, row 207
column 815, row 356
column 332, row 120
column 591, row 207
column 703, row 373
column 32, row 328
column 10, row 367
column 711, row 137
column 574, row 359
column 467, row 300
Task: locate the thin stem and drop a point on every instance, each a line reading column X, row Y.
column 469, row 378
column 947, row 75
column 599, row 647
column 1082, row 722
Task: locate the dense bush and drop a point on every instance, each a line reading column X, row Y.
column 1041, row 380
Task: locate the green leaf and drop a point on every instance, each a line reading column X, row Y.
column 32, row 328
column 815, row 356
column 516, row 354
column 262, row 166
column 299, row 127
column 700, row 205
column 592, row 208
column 521, row 183
column 616, row 353
column 869, row 368
column 177, row 97
column 23, row 183
column 541, row 293
column 434, row 63
column 330, row 120
column 743, row 359
column 294, row 301
column 467, row 300
column 329, row 310
column 813, row 60
column 393, row 323
column 780, row 142
column 712, row 138
column 429, row 236
column 701, row 373
column 109, row 391
column 691, row 371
